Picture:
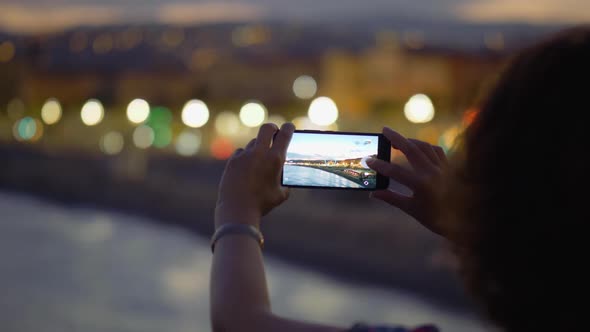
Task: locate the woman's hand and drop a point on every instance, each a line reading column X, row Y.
column 428, row 162
column 251, row 183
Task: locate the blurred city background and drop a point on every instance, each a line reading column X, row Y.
column 116, row 118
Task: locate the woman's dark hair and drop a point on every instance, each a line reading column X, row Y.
column 517, row 201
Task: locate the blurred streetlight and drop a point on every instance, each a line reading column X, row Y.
column 188, row 143
column 253, row 114
column 323, row 111
column 303, row 122
column 227, row 123
column 92, row 112
column 138, row 111
column 143, row 137
column 112, row 143
column 103, row 44
column 51, row 111
column 195, row 113
column 419, row 109
column 27, row 129
column 305, row 87
column 222, row 148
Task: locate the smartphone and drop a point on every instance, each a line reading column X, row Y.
column 334, row 160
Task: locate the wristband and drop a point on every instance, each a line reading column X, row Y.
column 237, row 229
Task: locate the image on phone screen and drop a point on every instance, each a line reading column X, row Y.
column 331, row 160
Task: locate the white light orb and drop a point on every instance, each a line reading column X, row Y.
column 323, row 111
column 92, row 112
column 143, row 137
column 138, row 111
column 303, row 122
column 419, row 109
column 188, row 143
column 195, row 113
column 305, row 87
column 51, row 111
column 227, row 123
column 112, row 143
column 253, row 114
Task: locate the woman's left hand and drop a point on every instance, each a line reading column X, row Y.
column 251, row 183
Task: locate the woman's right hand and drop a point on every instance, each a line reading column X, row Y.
column 428, row 162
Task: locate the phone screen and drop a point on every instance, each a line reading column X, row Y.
column 331, row 160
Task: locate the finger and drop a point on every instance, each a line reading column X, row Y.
column 394, row 171
column 265, row 134
column 427, row 150
column 250, row 144
column 414, row 155
column 237, row 152
column 282, row 139
column 393, row 198
column 233, row 155
column 441, row 155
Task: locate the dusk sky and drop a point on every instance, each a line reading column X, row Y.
column 321, row 146
column 50, row 15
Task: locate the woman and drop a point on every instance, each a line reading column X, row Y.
column 509, row 201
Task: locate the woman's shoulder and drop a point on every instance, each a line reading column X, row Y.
column 382, row 328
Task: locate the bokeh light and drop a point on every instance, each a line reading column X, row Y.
column 227, row 123
column 138, row 111
column 250, row 35
column 160, row 121
column 222, row 148
column 15, row 108
column 112, row 143
column 143, row 137
column 159, row 116
column 172, row 37
column 27, row 129
column 162, row 136
column 253, row 114
column 305, row 87
column 188, row 143
column 323, row 111
column 449, row 138
column 92, row 112
column 195, row 113
column 7, row 51
column 469, row 116
column 276, row 119
column 51, row 111
column 419, row 109
column 129, row 39
column 303, row 122
column 103, row 44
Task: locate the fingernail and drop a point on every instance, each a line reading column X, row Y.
column 370, row 160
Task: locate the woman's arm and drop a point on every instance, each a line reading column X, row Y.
column 250, row 188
